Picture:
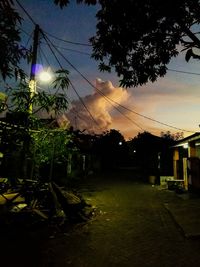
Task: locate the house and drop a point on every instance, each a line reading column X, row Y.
column 186, row 161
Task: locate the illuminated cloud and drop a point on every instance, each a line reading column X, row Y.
column 171, row 102
column 94, row 112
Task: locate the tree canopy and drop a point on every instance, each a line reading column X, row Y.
column 138, row 38
column 10, row 49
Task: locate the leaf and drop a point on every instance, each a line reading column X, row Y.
column 188, row 54
column 62, row 80
column 61, row 3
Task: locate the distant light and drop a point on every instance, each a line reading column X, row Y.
column 120, row 143
column 185, row 145
column 134, row 151
column 45, row 76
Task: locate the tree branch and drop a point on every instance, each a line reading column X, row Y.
column 190, row 34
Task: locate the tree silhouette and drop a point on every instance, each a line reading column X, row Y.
column 139, row 38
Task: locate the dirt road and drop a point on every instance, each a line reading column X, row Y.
column 131, row 228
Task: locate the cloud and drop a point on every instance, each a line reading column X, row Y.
column 94, row 112
column 169, row 101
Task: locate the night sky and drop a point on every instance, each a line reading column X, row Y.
column 172, row 100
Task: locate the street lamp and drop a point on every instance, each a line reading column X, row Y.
column 45, row 76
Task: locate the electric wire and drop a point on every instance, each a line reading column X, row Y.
column 66, row 41
column 71, row 50
column 146, row 117
column 59, row 47
column 71, row 42
column 83, row 103
column 53, row 36
column 75, row 51
column 185, row 72
column 108, row 99
column 29, row 36
column 89, row 54
column 46, row 39
column 77, row 43
column 122, row 106
column 26, row 12
column 118, row 104
column 44, row 55
column 74, row 111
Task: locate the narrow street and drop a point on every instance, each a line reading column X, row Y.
column 131, row 227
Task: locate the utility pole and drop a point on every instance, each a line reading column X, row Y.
column 32, row 91
column 32, row 82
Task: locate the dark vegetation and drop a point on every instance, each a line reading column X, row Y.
column 146, row 34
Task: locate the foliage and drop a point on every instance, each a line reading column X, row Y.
column 21, row 121
column 63, row 3
column 110, row 147
column 144, row 142
column 62, row 80
column 16, row 132
column 109, row 141
column 153, row 154
column 50, row 145
column 173, row 137
column 10, row 50
column 139, row 38
column 3, row 101
column 22, row 99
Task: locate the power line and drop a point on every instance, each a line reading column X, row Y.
column 106, row 97
column 29, row 35
column 47, row 40
column 71, row 50
column 76, row 112
column 110, row 100
column 53, row 36
column 92, row 84
column 67, row 41
column 26, row 12
column 60, row 47
column 82, row 102
column 84, row 44
column 185, row 72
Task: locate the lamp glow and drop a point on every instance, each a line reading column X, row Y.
column 45, row 76
column 185, row 145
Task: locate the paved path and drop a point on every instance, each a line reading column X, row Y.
column 132, row 228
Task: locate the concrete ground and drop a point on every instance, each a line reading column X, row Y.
column 135, row 225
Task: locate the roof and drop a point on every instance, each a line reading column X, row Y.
column 190, row 138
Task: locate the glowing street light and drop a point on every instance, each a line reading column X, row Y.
column 45, row 76
column 36, row 69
